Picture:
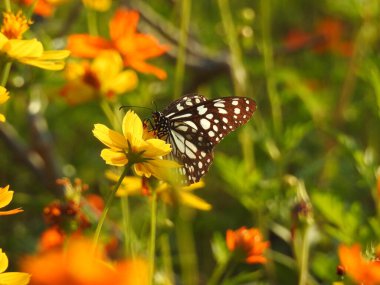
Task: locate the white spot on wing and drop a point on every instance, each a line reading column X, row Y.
column 205, row 124
column 201, row 110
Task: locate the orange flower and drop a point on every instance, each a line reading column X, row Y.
column 75, row 266
column 357, row 267
column 51, row 238
column 134, row 47
column 247, row 243
column 44, row 8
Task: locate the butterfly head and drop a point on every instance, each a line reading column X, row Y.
column 161, row 124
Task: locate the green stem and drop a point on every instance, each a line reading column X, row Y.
column 92, row 22
column 186, row 247
column 7, row 5
column 304, row 258
column 166, row 258
column 216, row 276
column 107, row 206
column 127, row 227
column 5, row 73
column 109, row 114
column 239, row 74
column 152, row 243
column 269, row 66
column 180, row 67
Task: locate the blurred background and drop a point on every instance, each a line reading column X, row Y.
column 308, row 159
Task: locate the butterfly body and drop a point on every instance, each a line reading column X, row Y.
column 193, row 126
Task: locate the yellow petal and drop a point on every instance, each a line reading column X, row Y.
column 132, row 128
column 109, row 137
column 5, row 198
column 3, row 261
column 155, row 148
column 44, row 64
column 107, row 65
column 19, row 49
column 142, row 169
column 193, row 201
column 4, row 95
column 55, row 54
column 2, row 118
column 114, row 157
column 14, row 278
column 123, row 82
column 129, row 186
column 194, row 186
column 3, row 41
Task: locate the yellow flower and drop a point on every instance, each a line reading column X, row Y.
column 4, row 96
column 104, row 77
column 130, row 147
column 6, row 197
column 14, row 25
column 31, row 52
column 183, row 195
column 169, row 194
column 11, row 278
column 98, row 5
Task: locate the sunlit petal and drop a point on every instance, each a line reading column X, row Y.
column 112, row 157
column 109, row 137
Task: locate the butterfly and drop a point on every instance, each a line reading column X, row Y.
column 194, row 125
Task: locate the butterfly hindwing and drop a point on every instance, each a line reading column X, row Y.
column 193, row 125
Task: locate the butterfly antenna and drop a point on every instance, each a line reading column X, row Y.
column 132, row 106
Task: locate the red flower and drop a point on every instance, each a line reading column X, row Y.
column 247, row 243
column 134, row 47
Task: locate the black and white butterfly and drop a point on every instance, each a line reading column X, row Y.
column 193, row 126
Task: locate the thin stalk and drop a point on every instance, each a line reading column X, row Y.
column 92, row 22
column 109, row 114
column 7, row 4
column 219, row 271
column 5, row 73
column 167, row 259
column 186, row 247
column 181, row 57
column 304, row 259
column 239, row 74
column 152, row 242
column 269, row 66
column 127, row 227
column 107, row 206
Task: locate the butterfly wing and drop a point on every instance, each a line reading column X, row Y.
column 197, row 125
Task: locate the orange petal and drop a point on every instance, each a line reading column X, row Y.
column 147, row 68
column 11, row 212
column 149, row 47
column 123, row 24
column 87, row 46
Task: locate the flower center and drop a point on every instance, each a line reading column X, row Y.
column 14, row 25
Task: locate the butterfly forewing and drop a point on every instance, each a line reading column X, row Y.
column 195, row 125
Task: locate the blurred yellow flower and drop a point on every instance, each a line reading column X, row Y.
column 183, row 195
column 31, row 52
column 104, row 77
column 132, row 185
column 98, row 5
column 131, row 147
column 6, row 197
column 11, row 278
column 4, row 96
column 73, row 265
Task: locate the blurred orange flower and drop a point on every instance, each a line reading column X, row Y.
column 357, row 267
column 103, row 78
column 134, row 47
column 248, row 244
column 6, row 197
column 51, row 238
column 44, row 8
column 75, row 266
